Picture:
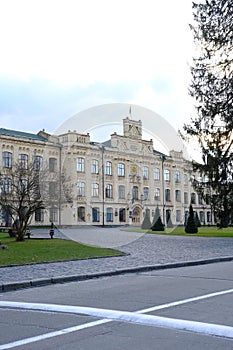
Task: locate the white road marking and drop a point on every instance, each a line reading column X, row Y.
column 52, row 334
column 123, row 316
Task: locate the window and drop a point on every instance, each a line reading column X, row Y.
column 177, row 176
column 81, row 214
column 121, row 169
column 109, row 215
column 157, row 194
column 145, row 172
column 146, row 193
column 53, row 189
column 135, row 193
column 208, row 216
column 23, row 184
column 108, row 168
column 156, row 174
column 95, row 214
column 185, row 197
column 200, row 200
column 52, row 165
column 6, row 185
column 80, row 189
column 53, row 214
column 80, row 165
column 167, row 195
column 95, row 166
column 185, row 179
column 166, row 174
column 193, row 198
column 95, row 190
column 108, row 191
column 38, row 162
column 178, row 195
column 23, row 161
column 178, row 215
column 202, row 216
column 6, row 160
column 39, row 215
column 121, row 191
column 122, row 216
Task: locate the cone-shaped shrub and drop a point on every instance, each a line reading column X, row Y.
column 191, row 225
column 157, row 222
column 146, row 224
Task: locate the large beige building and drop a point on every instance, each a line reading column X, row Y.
column 110, row 183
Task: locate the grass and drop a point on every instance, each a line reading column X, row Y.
column 47, row 250
column 204, row 231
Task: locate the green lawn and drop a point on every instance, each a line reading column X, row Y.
column 205, row 231
column 45, row 250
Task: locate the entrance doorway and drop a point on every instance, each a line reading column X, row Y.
column 136, row 216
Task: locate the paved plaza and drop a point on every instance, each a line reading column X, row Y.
column 141, row 250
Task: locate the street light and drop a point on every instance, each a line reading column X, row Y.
column 163, row 158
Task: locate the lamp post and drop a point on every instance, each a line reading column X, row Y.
column 163, row 158
column 103, row 184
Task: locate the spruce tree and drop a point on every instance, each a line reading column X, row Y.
column 212, row 90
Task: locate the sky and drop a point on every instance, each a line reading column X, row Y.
column 59, row 57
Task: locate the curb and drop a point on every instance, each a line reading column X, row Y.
column 65, row 279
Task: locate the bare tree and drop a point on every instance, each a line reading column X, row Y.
column 23, row 191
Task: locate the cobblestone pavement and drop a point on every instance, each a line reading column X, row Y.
column 148, row 250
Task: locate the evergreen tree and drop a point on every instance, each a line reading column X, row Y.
column 146, row 224
column 197, row 220
column 212, row 89
column 157, row 222
column 191, row 225
column 169, row 220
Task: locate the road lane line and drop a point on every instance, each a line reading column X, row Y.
column 123, row 316
column 52, row 334
column 185, row 301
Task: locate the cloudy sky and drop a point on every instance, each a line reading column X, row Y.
column 59, row 57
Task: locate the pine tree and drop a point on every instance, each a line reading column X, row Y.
column 212, row 89
column 191, row 225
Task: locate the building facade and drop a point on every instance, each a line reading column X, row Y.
column 110, row 183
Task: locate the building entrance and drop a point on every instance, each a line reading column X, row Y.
column 136, row 216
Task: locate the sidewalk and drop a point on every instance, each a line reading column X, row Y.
column 145, row 252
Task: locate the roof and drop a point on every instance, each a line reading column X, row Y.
column 22, row 134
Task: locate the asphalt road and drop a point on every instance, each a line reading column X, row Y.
column 182, row 308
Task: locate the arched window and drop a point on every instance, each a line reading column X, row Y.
column 95, row 190
column 108, row 168
column 108, row 191
column 121, row 169
column 135, row 193
column 166, row 175
column 157, row 194
column 109, row 215
column 145, row 173
column 23, row 161
column 121, row 191
column 52, row 165
column 80, row 188
column 80, row 165
column 146, row 193
column 6, row 160
column 167, row 195
column 95, row 166
column 95, row 214
column 156, row 174
column 193, row 198
column 81, row 214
